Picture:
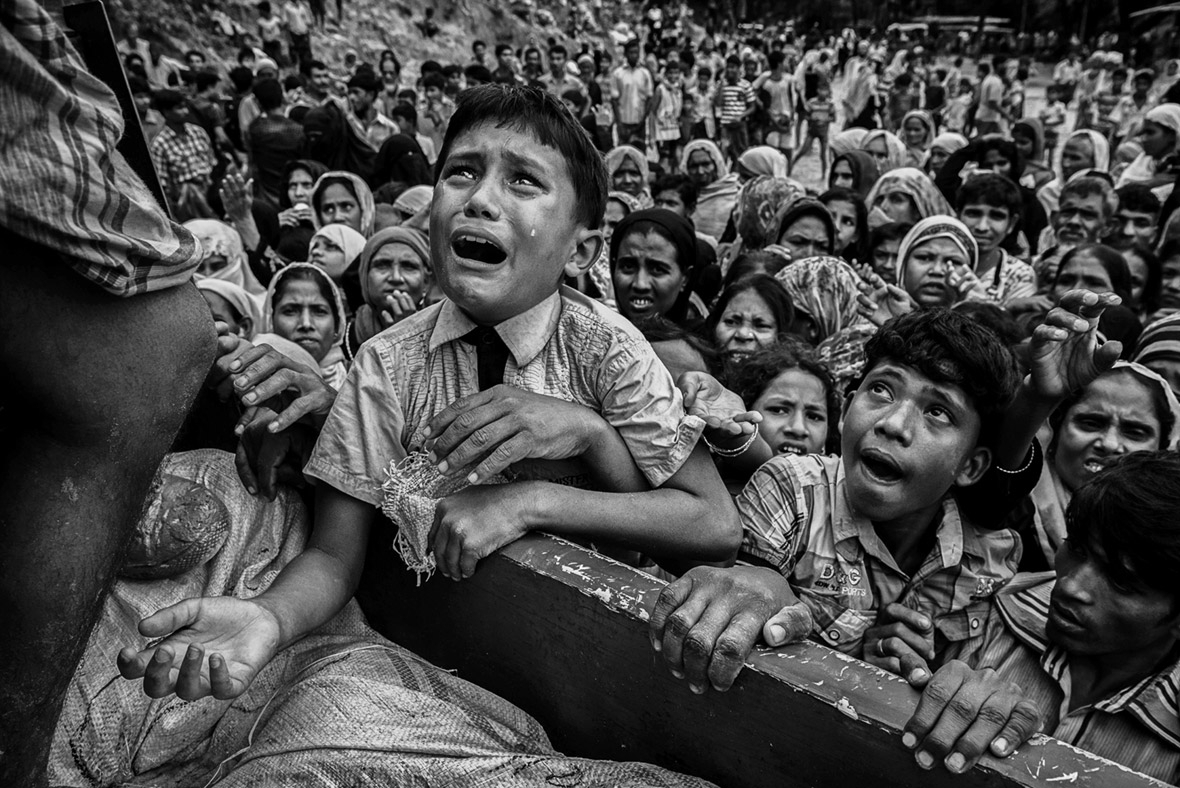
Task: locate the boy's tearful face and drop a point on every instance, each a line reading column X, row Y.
column 906, row 441
column 503, row 223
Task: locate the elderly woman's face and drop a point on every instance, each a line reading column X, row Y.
column 628, row 179
column 396, row 267
column 938, row 157
column 806, row 237
column 899, row 207
column 1084, row 271
column 701, row 168
column 647, row 278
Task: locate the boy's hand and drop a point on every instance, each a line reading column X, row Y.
column 503, row 425
column 964, row 713
column 901, row 642
column 1064, row 355
column 706, row 623
column 475, row 522
column 724, row 413
column 238, row 637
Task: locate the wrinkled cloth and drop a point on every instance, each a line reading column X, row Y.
column 765, row 160
column 1160, row 341
column 350, row 242
column 343, row 706
column 219, row 239
column 916, row 185
column 848, row 141
column 333, row 367
column 237, row 297
column 715, row 201
column 360, row 190
column 414, row 200
column 826, row 288
column 619, row 154
column 63, row 185
column 916, row 155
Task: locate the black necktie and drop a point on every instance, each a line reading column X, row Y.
column 492, row 355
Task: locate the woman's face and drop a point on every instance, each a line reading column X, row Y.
column 1115, row 416
column 299, row 187
column 338, row 206
column 806, row 237
column 938, row 157
column 1170, row 284
column 842, row 176
column 794, row 410
column 212, row 264
column 1084, row 271
column 997, row 162
column 701, row 168
column 1138, row 268
column 844, row 215
column 927, row 274
column 884, row 259
column 222, row 310
column 1077, row 155
column 614, row 213
column 898, row 207
column 1024, row 144
column 647, row 277
column 1157, row 141
column 303, row 315
column 915, row 133
column 396, row 267
column 328, row 255
column 628, row 178
column 879, row 151
column 746, row 325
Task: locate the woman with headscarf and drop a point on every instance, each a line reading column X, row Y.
column 886, row 148
column 304, row 306
column 1158, row 349
column 336, row 248
column 856, row 170
column 1160, row 137
column 1162, row 90
column 805, row 230
column 293, row 225
column 342, row 197
column 1084, row 150
column 1028, row 134
column 401, row 160
column 395, row 278
column 860, row 95
column 653, row 261
column 629, row 173
column 941, row 149
column 917, row 129
column 934, row 265
column 759, row 212
column 412, row 202
column 905, row 195
column 717, row 188
column 223, row 256
column 232, row 305
column 847, row 141
column 762, row 160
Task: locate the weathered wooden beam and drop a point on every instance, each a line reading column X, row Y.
column 562, row 632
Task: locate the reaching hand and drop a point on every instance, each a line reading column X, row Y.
column 503, row 425
column 237, row 195
column 723, row 411
column 1065, row 356
column 884, row 304
column 396, row 307
column 238, row 636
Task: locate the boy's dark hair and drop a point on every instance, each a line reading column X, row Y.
column 542, row 114
column 307, row 66
column 992, row 189
column 1119, row 72
column 994, row 317
column 558, row 49
column 682, row 185
column 452, row 70
column 478, row 72
column 893, row 231
column 1128, row 510
column 365, row 80
column 776, row 58
column 203, row 80
column 753, row 374
column 408, row 95
column 292, row 82
column 434, row 80
column 387, row 193
column 1139, row 197
column 269, row 94
column 244, row 53
column 949, row 347
column 632, row 43
column 406, row 111
column 242, row 78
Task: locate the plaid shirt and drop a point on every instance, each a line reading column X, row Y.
column 182, row 158
column 62, row 183
column 795, row 516
column 568, row 347
column 1138, row 726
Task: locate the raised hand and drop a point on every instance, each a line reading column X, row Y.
column 237, row 195
column 724, row 413
column 211, row 646
column 884, row 304
column 1065, row 355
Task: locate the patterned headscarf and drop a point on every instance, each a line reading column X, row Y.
column 916, row 185
column 760, row 208
column 826, row 289
column 1160, row 341
column 937, row 227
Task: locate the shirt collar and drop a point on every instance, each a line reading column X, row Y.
column 525, row 334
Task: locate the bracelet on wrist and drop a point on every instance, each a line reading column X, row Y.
column 735, row 452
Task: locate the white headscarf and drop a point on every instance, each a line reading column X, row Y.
column 348, row 239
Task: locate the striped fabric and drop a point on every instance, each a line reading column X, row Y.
column 735, row 99
column 62, row 184
column 795, row 516
column 568, row 347
column 1138, row 727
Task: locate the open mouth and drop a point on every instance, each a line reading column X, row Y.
column 481, row 250
column 1095, row 465
column 792, row 448
column 881, row 466
column 641, row 303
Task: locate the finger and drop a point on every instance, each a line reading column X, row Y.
column 166, row 621
column 452, row 413
column 965, row 751
column 914, row 619
column 157, row 680
column 679, row 623
column 133, row 663
column 914, row 669
column 318, row 402
column 190, row 684
column 248, row 355
column 696, row 649
column 469, row 556
column 438, row 544
column 731, row 649
column 959, row 714
column 1106, row 354
column 245, row 469
column 1024, row 721
column 503, row 457
column 453, row 553
column 933, row 701
column 472, row 437
column 903, row 650
column 221, row 684
column 669, row 599
column 789, row 625
column 1066, row 320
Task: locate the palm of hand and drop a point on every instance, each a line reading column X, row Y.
column 1059, row 368
column 245, row 634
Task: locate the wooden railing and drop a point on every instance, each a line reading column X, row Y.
column 562, row 632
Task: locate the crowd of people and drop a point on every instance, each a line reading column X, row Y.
column 924, row 411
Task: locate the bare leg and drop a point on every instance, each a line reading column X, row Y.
column 95, row 389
